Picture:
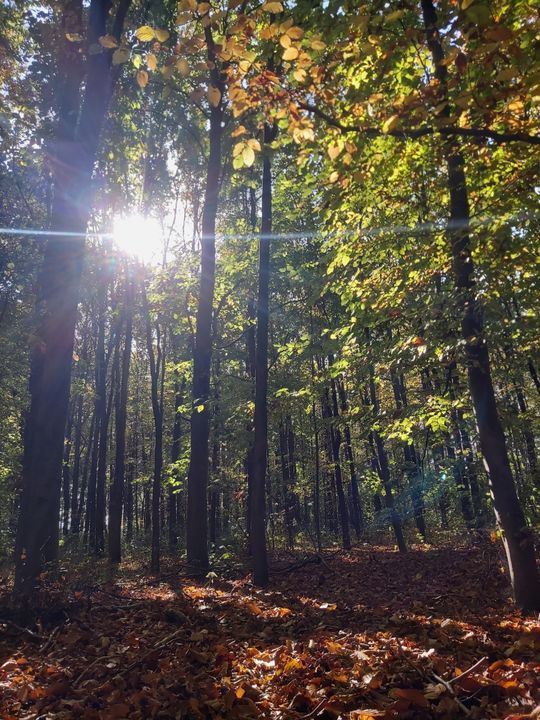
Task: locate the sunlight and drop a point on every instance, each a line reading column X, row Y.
column 138, row 236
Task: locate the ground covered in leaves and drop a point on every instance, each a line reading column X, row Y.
column 369, row 634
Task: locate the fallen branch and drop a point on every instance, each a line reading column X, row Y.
column 35, row 636
column 317, row 560
column 452, row 692
column 469, row 671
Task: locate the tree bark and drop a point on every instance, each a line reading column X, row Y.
column 197, row 505
column 72, row 157
column 517, row 540
column 260, row 442
column 116, row 498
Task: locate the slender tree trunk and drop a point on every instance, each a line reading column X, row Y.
column 116, row 500
column 518, row 541
column 176, row 446
column 66, row 474
column 356, row 514
column 101, row 483
column 77, row 449
column 197, row 511
column 260, row 442
column 383, row 466
column 157, row 378
column 335, row 442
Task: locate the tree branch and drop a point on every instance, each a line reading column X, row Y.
column 480, row 133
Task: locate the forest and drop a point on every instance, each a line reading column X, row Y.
column 270, row 359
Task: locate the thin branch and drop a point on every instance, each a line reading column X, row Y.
column 479, row 133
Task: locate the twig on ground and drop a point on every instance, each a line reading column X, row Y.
column 452, row 693
column 51, row 640
column 296, row 566
column 469, row 670
column 26, row 631
column 98, row 660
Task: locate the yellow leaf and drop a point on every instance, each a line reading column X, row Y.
column 295, row 33
column 142, row 78
column 108, row 41
column 299, row 75
column 334, row 177
column 151, row 61
column 255, row 144
column 145, row 33
column 162, row 35
column 182, row 66
column 290, row 53
column 237, row 149
column 294, row 664
column 214, row 95
column 272, row 7
column 203, row 8
column 516, row 106
column 248, row 156
column 391, row 123
column 333, row 151
column 318, row 45
column 285, row 41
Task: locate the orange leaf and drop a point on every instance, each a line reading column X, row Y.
column 414, row 696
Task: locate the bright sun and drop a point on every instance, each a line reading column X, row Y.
column 138, row 236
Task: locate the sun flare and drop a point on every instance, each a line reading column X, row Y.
column 138, row 236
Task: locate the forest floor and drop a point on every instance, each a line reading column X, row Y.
column 367, row 634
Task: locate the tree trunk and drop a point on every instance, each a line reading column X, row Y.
column 197, row 510
column 116, row 499
column 157, row 378
column 356, row 514
column 335, row 442
column 518, row 541
column 72, row 157
column 66, row 473
column 77, row 449
column 260, row 442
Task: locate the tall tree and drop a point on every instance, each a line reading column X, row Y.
column 72, row 156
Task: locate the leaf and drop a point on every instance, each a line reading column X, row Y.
column 151, row 61
column 142, row 78
column 240, row 130
column 285, row 41
column 293, row 664
column 214, row 95
column 145, row 33
column 162, row 35
column 272, row 7
column 295, row 33
column 317, row 45
column 334, row 151
column 290, row 53
column 412, row 695
column 108, row 41
column 182, row 66
column 248, row 156
column 203, row 8
column 391, row 123
column 121, row 55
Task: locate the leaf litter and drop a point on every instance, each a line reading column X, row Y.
column 366, row 634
